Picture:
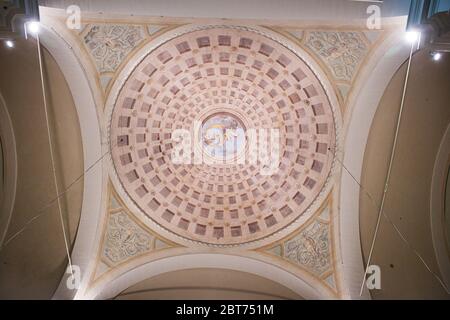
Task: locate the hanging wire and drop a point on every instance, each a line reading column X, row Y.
column 42, row 211
column 52, row 156
column 403, row 238
column 391, row 161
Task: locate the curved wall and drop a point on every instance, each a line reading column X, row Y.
column 8, row 169
column 424, row 121
column 33, row 256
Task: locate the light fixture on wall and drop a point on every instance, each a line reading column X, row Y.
column 33, row 27
column 9, row 43
column 412, row 36
column 436, row 56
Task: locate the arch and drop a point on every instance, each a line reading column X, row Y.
column 209, row 283
column 437, row 200
column 385, row 61
column 149, row 269
column 8, row 145
column 91, row 141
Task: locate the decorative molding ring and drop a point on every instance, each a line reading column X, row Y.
column 142, row 54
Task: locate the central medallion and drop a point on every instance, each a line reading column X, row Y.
column 222, row 137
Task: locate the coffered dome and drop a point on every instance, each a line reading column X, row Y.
column 206, row 81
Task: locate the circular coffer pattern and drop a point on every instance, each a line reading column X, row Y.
column 263, row 84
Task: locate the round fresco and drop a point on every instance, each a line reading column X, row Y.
column 222, row 137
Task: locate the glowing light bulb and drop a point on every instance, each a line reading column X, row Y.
column 33, row 27
column 436, row 56
column 9, row 43
column 412, row 36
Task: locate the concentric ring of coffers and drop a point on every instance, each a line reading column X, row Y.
column 264, row 86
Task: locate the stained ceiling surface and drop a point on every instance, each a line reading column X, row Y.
column 227, row 80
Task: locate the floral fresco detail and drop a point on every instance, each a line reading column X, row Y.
column 110, row 44
column 310, row 248
column 341, row 51
column 125, row 239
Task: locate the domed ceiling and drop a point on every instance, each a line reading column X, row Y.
column 221, row 85
column 216, row 143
